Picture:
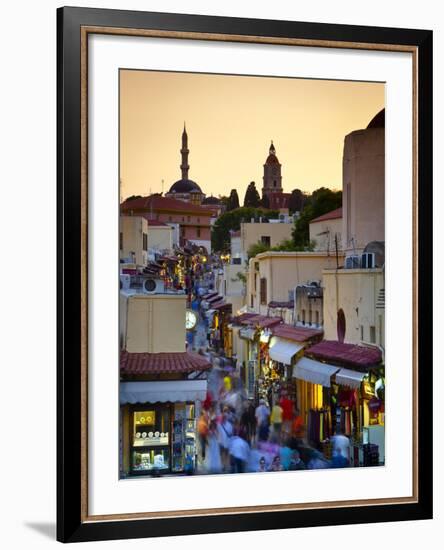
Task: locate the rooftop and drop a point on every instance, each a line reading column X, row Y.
column 161, row 363
column 332, row 215
column 298, row 334
column 261, row 321
column 155, row 223
column 157, row 203
column 348, row 354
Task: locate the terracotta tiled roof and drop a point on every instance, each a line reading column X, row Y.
column 298, row 334
column 261, row 321
column 333, row 215
column 157, row 203
column 289, row 305
column 243, row 317
column 156, row 223
column 157, row 363
column 222, row 305
column 348, row 354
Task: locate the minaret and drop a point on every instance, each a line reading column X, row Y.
column 184, row 152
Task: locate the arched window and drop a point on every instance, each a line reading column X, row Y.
column 341, row 326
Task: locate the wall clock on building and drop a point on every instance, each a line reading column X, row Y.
column 190, row 319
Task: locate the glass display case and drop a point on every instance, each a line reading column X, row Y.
column 163, row 438
column 150, row 440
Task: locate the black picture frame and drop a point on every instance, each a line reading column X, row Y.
column 71, row 526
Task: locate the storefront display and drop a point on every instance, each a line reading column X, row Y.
column 162, row 438
column 184, row 436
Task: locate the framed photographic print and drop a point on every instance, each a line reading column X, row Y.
column 244, row 274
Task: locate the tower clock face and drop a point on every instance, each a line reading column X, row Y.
column 190, row 319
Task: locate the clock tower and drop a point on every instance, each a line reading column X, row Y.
column 272, row 174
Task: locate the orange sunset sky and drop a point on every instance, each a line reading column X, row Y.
column 230, row 122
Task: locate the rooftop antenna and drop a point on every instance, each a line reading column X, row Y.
column 162, row 185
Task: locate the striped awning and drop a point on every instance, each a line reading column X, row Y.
column 350, row 378
column 165, row 391
column 314, row 371
column 248, row 333
column 283, row 351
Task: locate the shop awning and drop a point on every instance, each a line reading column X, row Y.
column 283, row 351
column 247, row 333
column 314, row 371
column 172, row 391
column 350, row 378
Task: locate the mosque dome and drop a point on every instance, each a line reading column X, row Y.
column 185, row 186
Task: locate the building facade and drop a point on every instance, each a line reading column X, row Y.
column 363, row 196
column 326, row 231
column 160, row 237
column 133, row 240
column 360, row 295
column 161, row 386
column 194, row 221
column 273, row 276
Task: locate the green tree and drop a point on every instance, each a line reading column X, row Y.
column 321, row 201
column 233, row 200
column 230, row 221
column 224, row 200
column 252, row 197
column 297, row 200
column 265, row 202
column 256, row 249
column 132, row 197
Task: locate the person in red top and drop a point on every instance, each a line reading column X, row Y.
column 287, row 413
column 297, row 426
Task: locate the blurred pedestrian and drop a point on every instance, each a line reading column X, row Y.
column 262, row 415
column 276, row 419
column 248, row 421
column 239, row 454
column 213, row 462
column 202, row 430
column 341, row 448
column 225, row 431
column 262, row 465
column 286, row 454
column 297, row 426
column 276, row 465
column 287, row 407
column 317, row 461
column 296, row 463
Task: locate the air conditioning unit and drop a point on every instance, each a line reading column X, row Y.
column 125, row 281
column 368, row 260
column 352, row 262
column 153, row 286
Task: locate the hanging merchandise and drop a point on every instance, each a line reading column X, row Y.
column 319, row 425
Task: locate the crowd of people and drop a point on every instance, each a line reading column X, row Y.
column 235, row 436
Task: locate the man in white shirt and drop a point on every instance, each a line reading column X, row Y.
column 239, row 453
column 341, row 446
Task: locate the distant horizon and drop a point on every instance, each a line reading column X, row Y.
column 231, row 121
